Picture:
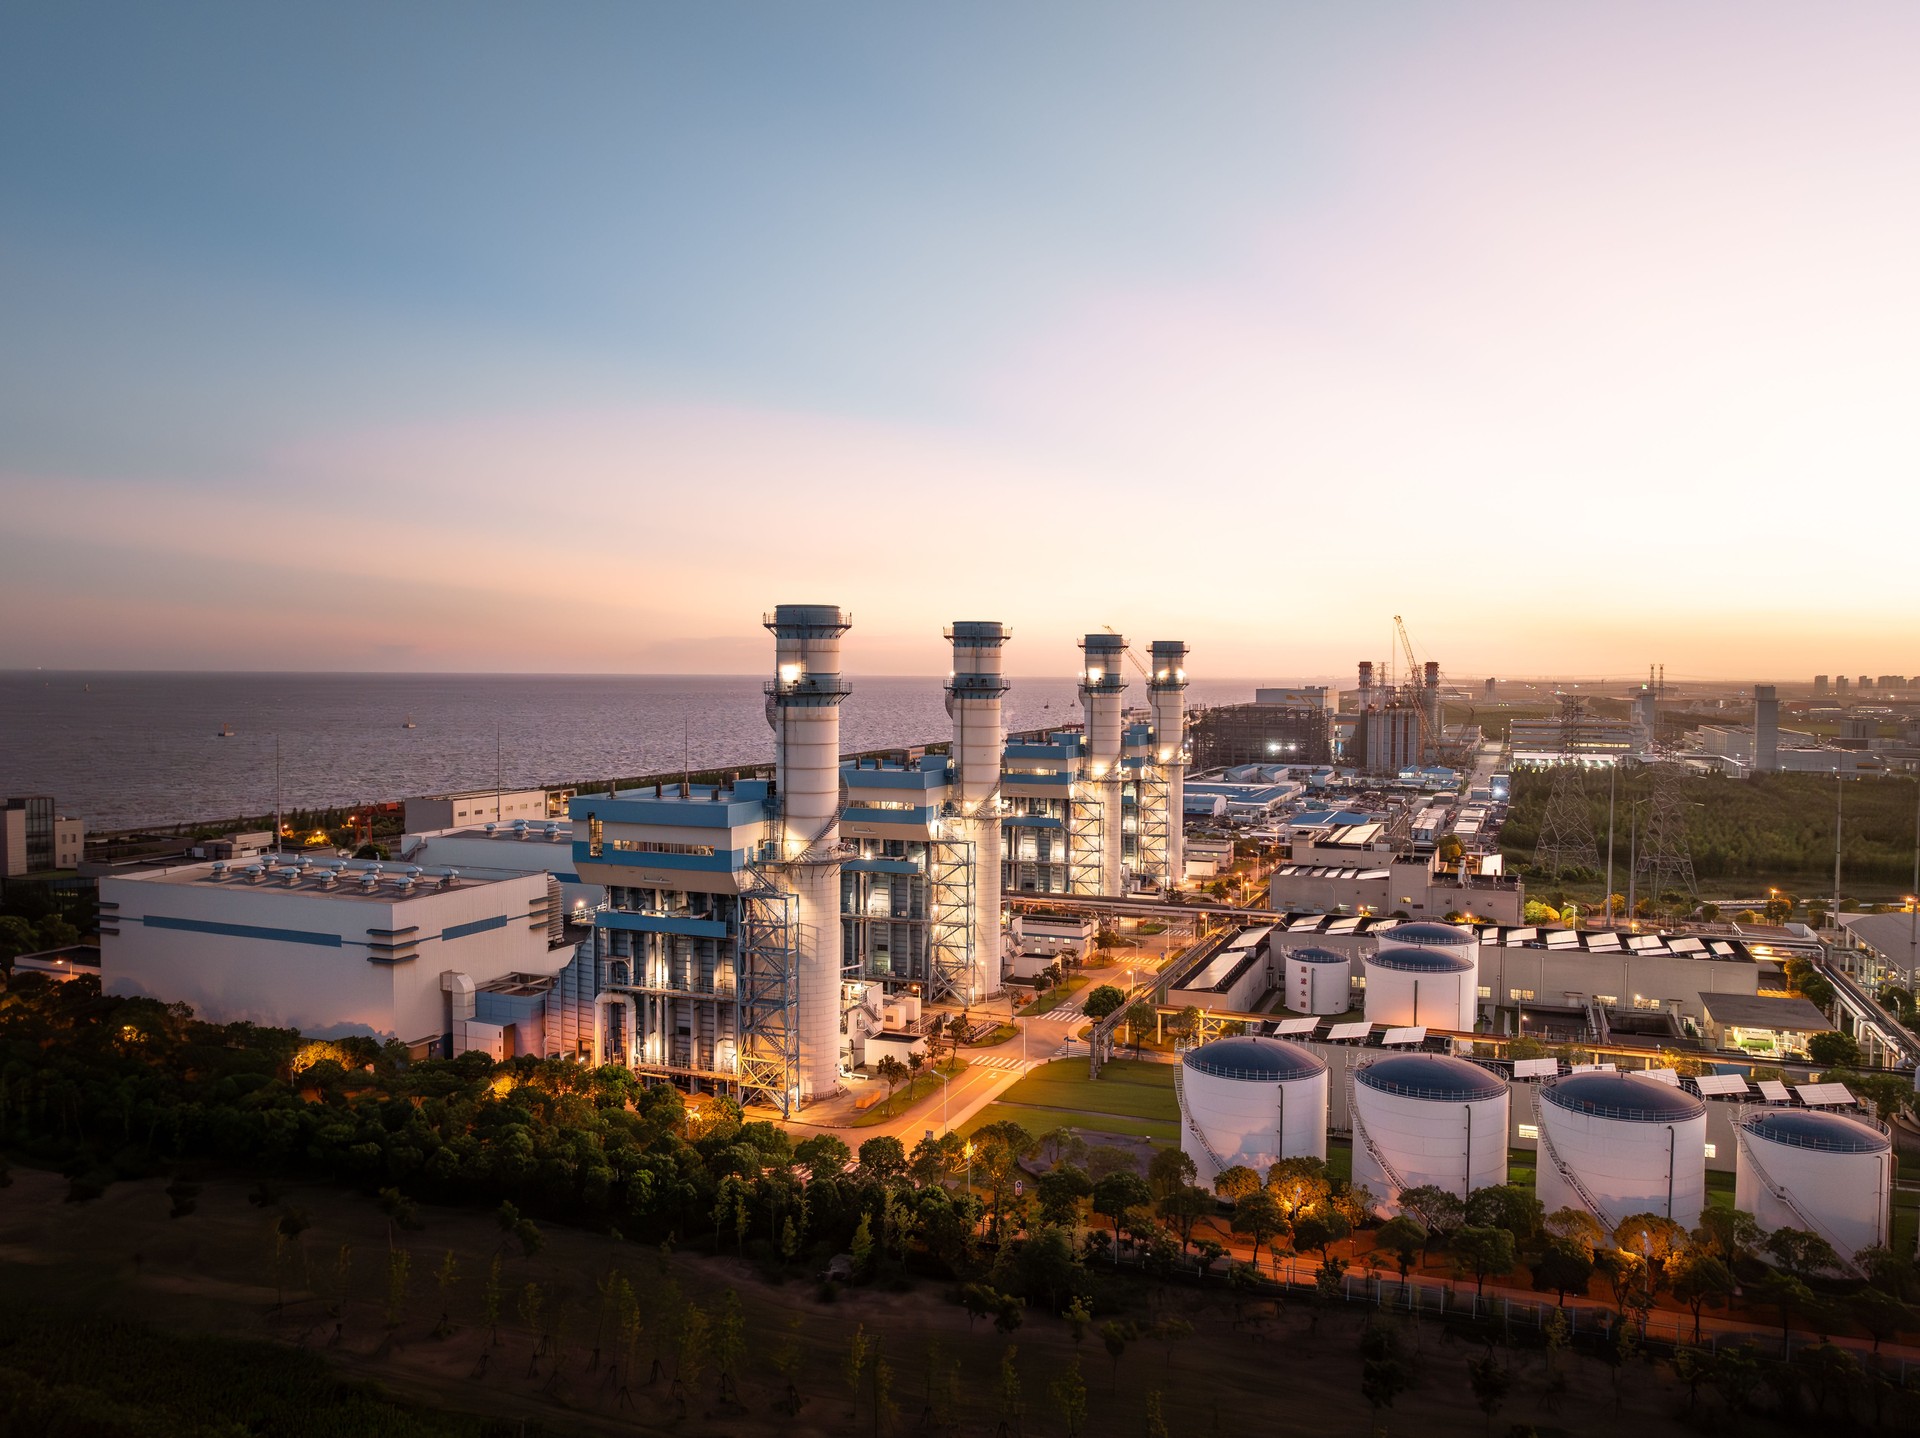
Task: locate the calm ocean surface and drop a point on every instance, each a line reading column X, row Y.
column 125, row 749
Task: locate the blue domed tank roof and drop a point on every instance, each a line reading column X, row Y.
column 1255, row 1058
column 1436, row 1076
column 1808, row 1128
column 1427, row 933
column 1421, row 961
column 1622, row 1096
column 1319, row 956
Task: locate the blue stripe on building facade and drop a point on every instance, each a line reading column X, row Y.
column 478, row 926
column 245, row 931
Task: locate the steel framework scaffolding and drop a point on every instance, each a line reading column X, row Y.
column 1150, row 788
column 1084, row 824
column 950, row 937
column 768, row 998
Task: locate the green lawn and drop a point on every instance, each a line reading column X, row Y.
column 1125, row 1088
column 1037, row 1121
column 924, row 1085
column 1053, row 998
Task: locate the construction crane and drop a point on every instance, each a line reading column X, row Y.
column 1430, row 741
column 1132, row 658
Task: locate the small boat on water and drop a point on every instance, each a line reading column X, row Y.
column 227, row 731
column 409, row 724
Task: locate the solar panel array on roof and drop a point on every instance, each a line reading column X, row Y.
column 1357, row 1030
column 1815, row 1094
column 1296, row 1026
column 1536, row 1068
column 1665, row 1076
column 1720, row 1085
column 1594, row 1068
column 1565, row 939
column 1603, row 943
column 1404, row 1036
column 1773, row 1091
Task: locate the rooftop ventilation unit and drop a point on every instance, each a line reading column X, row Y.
column 218, row 871
column 451, row 879
column 254, row 873
column 493, row 830
column 519, row 828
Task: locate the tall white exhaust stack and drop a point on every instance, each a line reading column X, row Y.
column 1103, row 685
column 979, row 746
column 803, row 705
column 1169, row 689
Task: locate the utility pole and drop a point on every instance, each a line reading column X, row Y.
column 1839, row 801
column 1606, row 899
column 1633, row 853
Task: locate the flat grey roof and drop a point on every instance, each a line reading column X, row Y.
column 1758, row 1011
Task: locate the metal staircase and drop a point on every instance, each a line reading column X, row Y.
column 1373, row 1149
column 1593, row 1204
column 1220, row 1165
column 1783, row 1196
column 951, row 957
column 1084, row 837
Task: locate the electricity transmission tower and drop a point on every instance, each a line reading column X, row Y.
column 1665, row 862
column 1566, row 828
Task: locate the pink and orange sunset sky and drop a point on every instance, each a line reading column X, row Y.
column 571, row 338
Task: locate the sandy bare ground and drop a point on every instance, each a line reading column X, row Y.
column 217, row 1271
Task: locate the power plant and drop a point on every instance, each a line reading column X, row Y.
column 759, row 935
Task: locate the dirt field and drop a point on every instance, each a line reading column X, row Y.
column 215, row 1271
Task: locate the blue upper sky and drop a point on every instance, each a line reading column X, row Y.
column 337, row 313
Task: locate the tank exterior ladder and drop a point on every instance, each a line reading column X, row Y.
column 1373, row 1149
column 1782, row 1195
column 1593, row 1204
column 1220, row 1165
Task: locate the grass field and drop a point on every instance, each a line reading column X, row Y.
column 1129, row 1099
column 923, row 1086
column 1125, row 1088
column 1053, row 998
column 1038, row 1120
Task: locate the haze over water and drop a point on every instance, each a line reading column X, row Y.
column 127, row 749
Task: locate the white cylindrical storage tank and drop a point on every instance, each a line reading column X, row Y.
column 1427, row 1118
column 803, row 705
column 1802, row 1168
column 1103, row 684
column 974, row 691
column 1424, row 934
column 1435, row 988
column 1317, row 981
column 1251, row 1101
column 1633, row 1144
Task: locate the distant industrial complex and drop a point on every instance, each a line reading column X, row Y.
column 770, row 932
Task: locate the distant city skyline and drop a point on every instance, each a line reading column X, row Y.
column 473, row 338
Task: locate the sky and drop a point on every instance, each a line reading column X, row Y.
column 571, row 338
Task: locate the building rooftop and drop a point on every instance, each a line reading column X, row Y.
column 1319, row 956
column 1760, row 1011
column 359, row 880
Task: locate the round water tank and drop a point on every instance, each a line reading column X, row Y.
column 1434, row 987
column 1635, row 1145
column 1318, row 981
column 1251, row 1101
column 1427, row 1118
column 1801, row 1168
column 1428, row 936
